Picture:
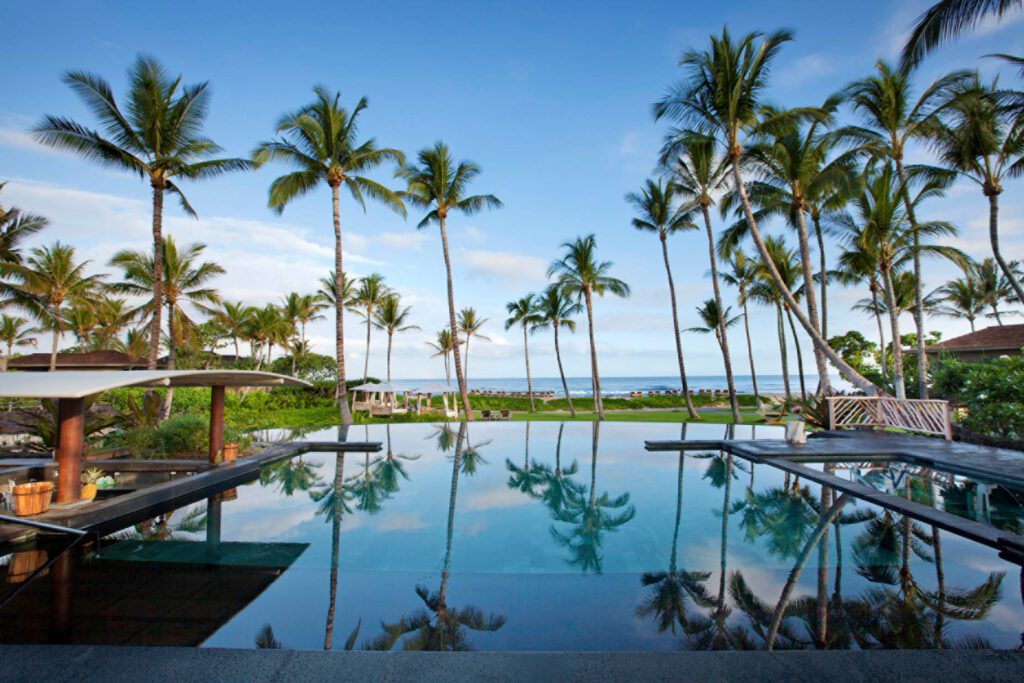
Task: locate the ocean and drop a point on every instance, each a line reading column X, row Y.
column 621, row 386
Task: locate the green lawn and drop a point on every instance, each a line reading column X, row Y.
column 707, row 416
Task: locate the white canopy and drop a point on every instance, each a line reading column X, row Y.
column 82, row 383
column 383, row 388
column 436, row 388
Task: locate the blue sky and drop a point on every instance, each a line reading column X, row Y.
column 551, row 99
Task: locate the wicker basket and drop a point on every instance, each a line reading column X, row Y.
column 32, row 499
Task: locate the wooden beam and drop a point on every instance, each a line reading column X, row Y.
column 216, row 424
column 70, row 444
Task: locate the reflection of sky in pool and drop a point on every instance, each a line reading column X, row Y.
column 527, row 573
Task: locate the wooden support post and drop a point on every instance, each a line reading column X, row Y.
column 831, row 413
column 70, row 444
column 216, row 424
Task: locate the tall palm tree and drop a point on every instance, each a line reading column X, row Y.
column 523, row 312
column 720, row 97
column 893, row 119
column 302, row 309
column 946, row 20
column 186, row 280
column 440, row 185
column 657, row 212
column 469, row 325
column 16, row 226
column 743, row 275
column 978, row 140
column 15, row 332
column 858, row 266
column 320, row 140
column 46, row 281
column 718, row 322
column 555, row 309
column 581, row 276
column 157, row 136
column 392, row 317
column 444, row 346
column 234, row 317
column 366, row 299
column 784, row 260
column 960, row 297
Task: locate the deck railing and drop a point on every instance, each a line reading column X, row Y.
column 922, row 416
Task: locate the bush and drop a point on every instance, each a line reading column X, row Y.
column 183, row 435
column 992, row 392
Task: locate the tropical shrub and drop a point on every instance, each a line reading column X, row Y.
column 182, row 435
column 992, row 392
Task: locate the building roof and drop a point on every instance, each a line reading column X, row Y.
column 82, row 383
column 83, row 360
column 996, row 338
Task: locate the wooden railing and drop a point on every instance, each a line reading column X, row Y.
column 913, row 415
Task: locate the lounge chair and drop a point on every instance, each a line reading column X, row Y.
column 506, row 414
column 486, row 415
column 380, row 411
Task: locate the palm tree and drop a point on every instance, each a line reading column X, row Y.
column 718, row 321
column 444, row 347
column 469, row 325
column 656, row 213
column 945, row 21
column 893, row 119
column 581, row 276
column 266, row 328
column 436, row 183
column 16, row 226
column 960, row 298
column 523, row 312
column 720, row 97
column 48, row 280
column 860, row 265
column 15, row 332
column 371, row 294
column 135, row 343
column 320, row 141
column 113, row 315
column 300, row 310
column 783, row 259
column 995, row 287
column 743, row 275
column 555, row 309
column 328, row 286
column 234, row 317
column 391, row 317
column 158, row 137
column 977, row 139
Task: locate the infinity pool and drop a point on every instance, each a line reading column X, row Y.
column 518, row 537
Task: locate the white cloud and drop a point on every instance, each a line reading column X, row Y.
column 508, row 268
column 403, row 240
column 474, row 235
column 805, row 69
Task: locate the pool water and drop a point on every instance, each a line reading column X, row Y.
column 527, row 537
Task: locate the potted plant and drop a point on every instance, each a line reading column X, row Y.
column 231, row 445
column 90, row 478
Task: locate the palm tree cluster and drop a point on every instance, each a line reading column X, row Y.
column 804, row 169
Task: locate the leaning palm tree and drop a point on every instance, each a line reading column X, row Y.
column 158, row 137
column 186, row 280
column 438, row 184
column 320, row 141
column 944, row 21
column 523, row 312
column 16, row 226
column 15, row 332
column 893, row 119
column 366, row 300
column 717, row 321
column 469, row 325
column 392, row 317
column 657, row 212
column 556, row 310
column 742, row 274
column 581, row 276
column 977, row 140
column 720, row 97
column 48, row 280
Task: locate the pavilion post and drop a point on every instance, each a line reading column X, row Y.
column 70, row 444
column 216, row 424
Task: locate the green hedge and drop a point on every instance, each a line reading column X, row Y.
column 993, row 393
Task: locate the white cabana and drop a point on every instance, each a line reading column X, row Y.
column 379, row 399
column 438, row 389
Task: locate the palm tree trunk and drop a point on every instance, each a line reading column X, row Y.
column 823, row 268
column 812, row 305
column 730, row 384
column 922, row 359
column 341, row 393
column 783, row 355
column 799, row 355
column 694, row 415
column 844, row 368
column 442, row 592
column 995, row 312
column 529, row 383
column 723, row 554
column 598, row 403
column 750, row 351
column 56, row 341
column 679, row 511
column 339, row 478
column 366, row 361
column 993, row 236
column 158, row 275
column 455, row 328
column 390, row 335
column 894, row 324
column 561, row 371
column 172, row 350
column 881, row 329
column 824, row 503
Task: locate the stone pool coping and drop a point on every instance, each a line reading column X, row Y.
column 104, row 663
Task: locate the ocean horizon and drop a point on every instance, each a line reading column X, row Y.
column 621, row 386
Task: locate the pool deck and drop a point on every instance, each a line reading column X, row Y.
column 94, row 663
column 204, row 480
column 995, row 464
